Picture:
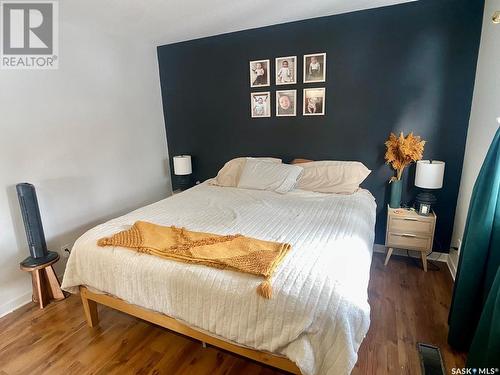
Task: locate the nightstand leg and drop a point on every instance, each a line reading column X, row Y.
column 424, row 260
column 388, row 256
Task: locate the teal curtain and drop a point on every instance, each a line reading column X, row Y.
column 474, row 314
column 485, row 348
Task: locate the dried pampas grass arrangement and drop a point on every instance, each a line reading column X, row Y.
column 402, row 151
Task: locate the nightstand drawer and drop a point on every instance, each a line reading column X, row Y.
column 410, row 225
column 409, row 241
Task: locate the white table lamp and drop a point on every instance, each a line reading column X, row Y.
column 182, row 170
column 429, row 176
column 182, row 165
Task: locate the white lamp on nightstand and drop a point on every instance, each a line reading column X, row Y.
column 429, row 176
column 182, row 171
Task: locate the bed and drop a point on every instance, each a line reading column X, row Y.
column 319, row 312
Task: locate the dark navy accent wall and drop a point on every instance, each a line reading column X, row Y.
column 406, row 67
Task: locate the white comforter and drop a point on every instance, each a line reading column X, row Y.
column 319, row 312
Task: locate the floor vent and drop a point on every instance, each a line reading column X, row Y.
column 430, row 359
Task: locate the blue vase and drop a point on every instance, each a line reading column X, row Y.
column 396, row 188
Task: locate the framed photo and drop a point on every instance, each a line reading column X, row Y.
column 286, row 70
column 314, row 102
column 260, row 102
column 286, row 103
column 259, row 73
column 315, row 67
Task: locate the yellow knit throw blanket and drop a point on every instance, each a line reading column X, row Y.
column 235, row 252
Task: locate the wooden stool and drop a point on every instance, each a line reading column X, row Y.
column 46, row 286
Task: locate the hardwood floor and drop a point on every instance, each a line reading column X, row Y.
column 408, row 306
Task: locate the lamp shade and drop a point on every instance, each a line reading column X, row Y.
column 429, row 174
column 182, row 165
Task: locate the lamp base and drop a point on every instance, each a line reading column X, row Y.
column 425, row 200
column 183, row 182
column 426, row 197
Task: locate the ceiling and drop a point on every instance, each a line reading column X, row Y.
column 168, row 21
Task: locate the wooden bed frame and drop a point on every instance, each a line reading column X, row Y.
column 90, row 300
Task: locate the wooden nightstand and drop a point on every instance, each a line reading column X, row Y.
column 408, row 230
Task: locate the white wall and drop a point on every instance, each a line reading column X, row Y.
column 90, row 136
column 482, row 124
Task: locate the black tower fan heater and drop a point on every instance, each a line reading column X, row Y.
column 33, row 226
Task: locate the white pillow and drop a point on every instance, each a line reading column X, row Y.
column 230, row 173
column 331, row 176
column 262, row 175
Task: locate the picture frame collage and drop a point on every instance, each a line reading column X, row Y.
column 285, row 73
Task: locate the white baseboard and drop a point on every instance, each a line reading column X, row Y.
column 14, row 304
column 438, row 257
column 452, row 267
column 18, row 302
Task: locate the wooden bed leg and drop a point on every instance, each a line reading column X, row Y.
column 89, row 308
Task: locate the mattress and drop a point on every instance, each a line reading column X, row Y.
column 319, row 312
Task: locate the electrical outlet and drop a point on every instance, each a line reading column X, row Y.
column 66, row 250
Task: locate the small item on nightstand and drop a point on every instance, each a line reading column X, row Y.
column 424, row 209
column 429, row 175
